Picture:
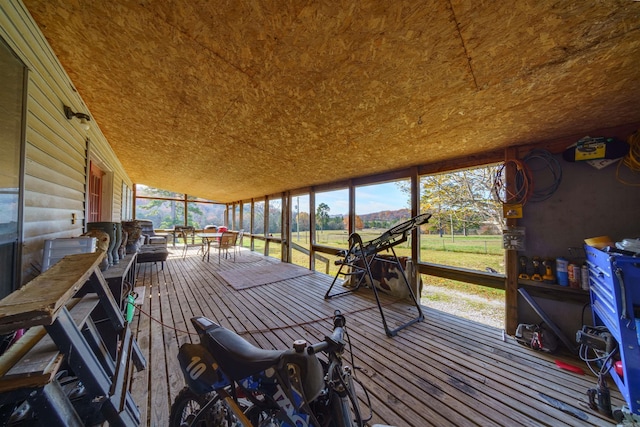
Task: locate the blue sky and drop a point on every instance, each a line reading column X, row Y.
column 371, row 198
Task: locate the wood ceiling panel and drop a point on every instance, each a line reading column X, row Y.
column 300, row 92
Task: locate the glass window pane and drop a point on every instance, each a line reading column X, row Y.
column 275, row 250
column 466, row 227
column 202, row 214
column 381, row 206
column 246, row 216
column 12, row 86
column 163, row 213
column 275, row 218
column 258, row 217
column 258, row 246
column 144, row 191
column 236, row 216
column 332, row 210
column 194, row 199
column 300, row 223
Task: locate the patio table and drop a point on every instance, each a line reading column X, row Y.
column 173, row 232
column 207, row 238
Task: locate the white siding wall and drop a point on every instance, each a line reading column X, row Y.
column 56, row 148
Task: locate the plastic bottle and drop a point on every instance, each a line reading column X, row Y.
column 574, row 281
column 561, row 271
column 131, row 300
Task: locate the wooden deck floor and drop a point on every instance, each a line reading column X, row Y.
column 443, row 371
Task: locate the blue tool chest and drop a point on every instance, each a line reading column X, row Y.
column 614, row 282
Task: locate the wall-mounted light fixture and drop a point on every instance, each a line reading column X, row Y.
column 84, row 118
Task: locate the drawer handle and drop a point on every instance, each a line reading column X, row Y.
column 623, row 294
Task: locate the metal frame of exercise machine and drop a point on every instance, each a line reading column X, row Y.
column 359, row 257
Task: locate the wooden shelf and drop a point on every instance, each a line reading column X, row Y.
column 555, row 291
column 552, row 286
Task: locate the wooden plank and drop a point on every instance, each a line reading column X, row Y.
column 42, row 359
column 38, row 302
column 443, row 371
column 139, row 384
column 36, row 379
column 159, row 394
column 511, row 256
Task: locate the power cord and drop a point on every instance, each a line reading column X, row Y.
column 546, row 162
column 632, row 159
column 522, row 183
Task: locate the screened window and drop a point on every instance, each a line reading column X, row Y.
column 258, row 217
column 465, row 229
column 275, row 217
column 332, row 210
column 381, row 206
column 167, row 209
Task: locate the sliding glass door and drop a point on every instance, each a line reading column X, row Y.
column 12, row 88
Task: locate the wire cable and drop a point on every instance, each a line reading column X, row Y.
column 632, row 159
column 522, row 183
column 540, row 161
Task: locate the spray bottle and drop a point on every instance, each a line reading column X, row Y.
column 131, row 305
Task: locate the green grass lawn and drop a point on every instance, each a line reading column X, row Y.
column 464, row 299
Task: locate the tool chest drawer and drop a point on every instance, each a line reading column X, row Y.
column 614, row 282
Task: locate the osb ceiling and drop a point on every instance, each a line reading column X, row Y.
column 234, row 99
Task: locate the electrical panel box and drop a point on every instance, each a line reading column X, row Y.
column 614, row 281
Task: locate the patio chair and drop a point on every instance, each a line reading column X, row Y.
column 238, row 244
column 151, row 238
column 227, row 241
column 185, row 232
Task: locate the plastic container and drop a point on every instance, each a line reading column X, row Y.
column 562, row 272
column 56, row 249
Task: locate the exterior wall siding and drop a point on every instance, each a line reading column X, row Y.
column 56, row 149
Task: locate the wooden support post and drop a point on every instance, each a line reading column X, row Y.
column 511, row 257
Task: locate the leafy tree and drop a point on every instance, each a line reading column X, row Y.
column 301, row 220
column 461, row 200
column 359, row 223
column 275, row 218
column 322, row 215
column 166, row 213
column 258, row 218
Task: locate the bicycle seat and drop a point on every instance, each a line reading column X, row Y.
column 236, row 356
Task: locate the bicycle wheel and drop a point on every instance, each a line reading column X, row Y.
column 188, row 404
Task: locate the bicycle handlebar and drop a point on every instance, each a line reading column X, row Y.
column 336, row 341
